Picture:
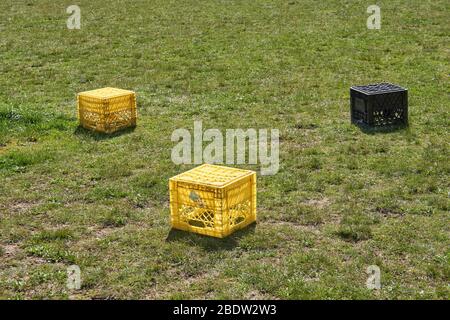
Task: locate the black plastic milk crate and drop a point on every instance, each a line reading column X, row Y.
column 377, row 105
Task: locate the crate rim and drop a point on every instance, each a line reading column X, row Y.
column 401, row 89
column 216, row 186
column 90, row 93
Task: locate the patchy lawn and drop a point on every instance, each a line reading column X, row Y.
column 343, row 199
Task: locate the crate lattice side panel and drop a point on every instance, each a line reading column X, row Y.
column 388, row 109
column 121, row 112
column 239, row 209
column 90, row 113
column 196, row 208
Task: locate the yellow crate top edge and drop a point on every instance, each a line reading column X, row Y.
column 194, row 175
column 105, row 93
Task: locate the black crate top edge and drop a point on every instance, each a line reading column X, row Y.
column 376, row 88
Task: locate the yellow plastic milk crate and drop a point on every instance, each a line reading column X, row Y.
column 213, row 200
column 107, row 110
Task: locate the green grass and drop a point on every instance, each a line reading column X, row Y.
column 343, row 199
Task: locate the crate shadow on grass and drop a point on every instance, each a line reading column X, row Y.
column 210, row 244
column 381, row 130
column 98, row 136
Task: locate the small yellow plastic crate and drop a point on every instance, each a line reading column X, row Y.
column 213, row 200
column 107, row 110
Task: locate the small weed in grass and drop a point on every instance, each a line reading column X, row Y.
column 14, row 117
column 52, row 235
column 352, row 164
column 46, row 274
column 312, row 219
column 101, row 193
column 419, row 209
column 356, row 227
column 113, row 170
column 303, row 214
column 314, row 164
column 354, row 232
column 150, row 186
column 19, row 160
column 114, row 218
column 51, row 253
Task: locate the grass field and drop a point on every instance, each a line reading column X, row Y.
column 342, row 200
